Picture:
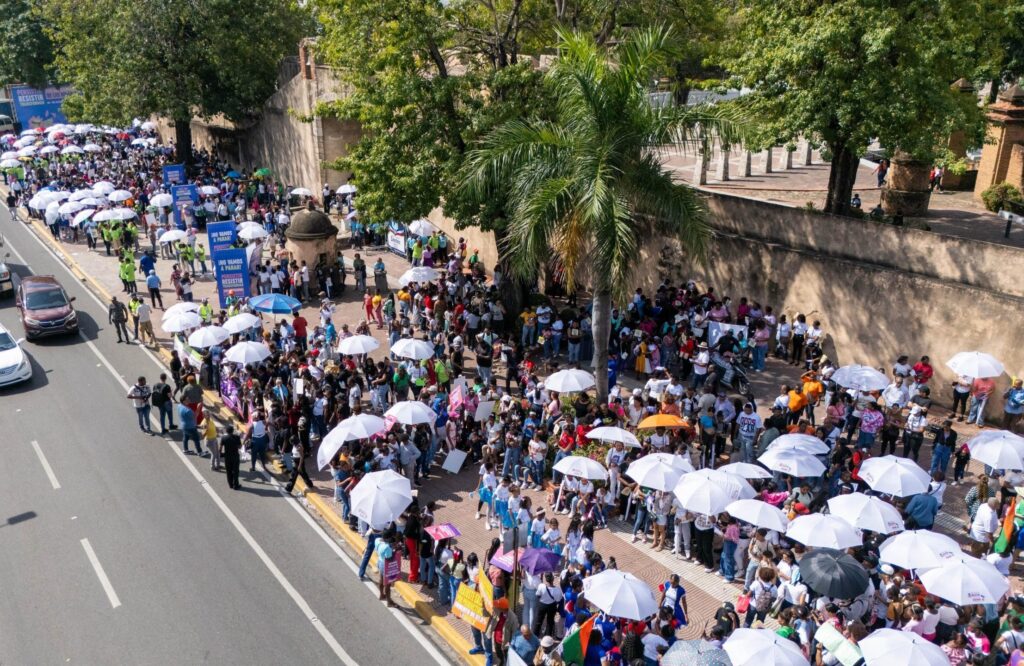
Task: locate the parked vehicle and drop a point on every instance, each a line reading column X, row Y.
column 14, row 364
column 45, row 308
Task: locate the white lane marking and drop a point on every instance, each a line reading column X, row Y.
column 18, row 255
column 101, row 574
column 354, row 568
column 46, row 466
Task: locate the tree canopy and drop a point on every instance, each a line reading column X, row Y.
column 26, row 53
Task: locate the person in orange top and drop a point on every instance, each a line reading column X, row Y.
column 797, row 404
column 813, row 389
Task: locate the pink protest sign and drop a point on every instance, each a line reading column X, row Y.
column 443, row 531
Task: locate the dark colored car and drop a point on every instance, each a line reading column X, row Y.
column 45, row 308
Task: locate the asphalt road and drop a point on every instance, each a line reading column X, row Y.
column 116, row 548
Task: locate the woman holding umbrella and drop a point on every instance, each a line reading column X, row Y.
column 673, row 596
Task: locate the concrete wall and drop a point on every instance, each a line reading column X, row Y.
column 475, row 238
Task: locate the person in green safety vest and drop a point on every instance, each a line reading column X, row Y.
column 116, row 232
column 107, row 236
column 205, row 311
column 188, row 255
column 201, row 258
column 126, row 271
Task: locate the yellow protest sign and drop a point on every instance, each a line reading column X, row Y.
column 469, row 606
column 486, row 589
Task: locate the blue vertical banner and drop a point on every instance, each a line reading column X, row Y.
column 183, row 195
column 174, row 174
column 39, row 108
column 221, row 236
column 232, row 271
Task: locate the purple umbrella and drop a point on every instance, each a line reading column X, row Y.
column 540, row 560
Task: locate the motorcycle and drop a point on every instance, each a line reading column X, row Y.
column 728, row 374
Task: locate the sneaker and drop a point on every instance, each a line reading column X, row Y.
column 477, row 650
column 635, row 539
column 720, row 574
column 688, row 557
column 478, row 515
column 487, row 526
column 708, row 570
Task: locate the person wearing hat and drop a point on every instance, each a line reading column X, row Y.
column 913, row 430
column 700, row 366
column 547, row 655
column 500, row 629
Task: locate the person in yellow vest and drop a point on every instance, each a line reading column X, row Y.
column 126, row 271
column 188, row 255
column 441, row 372
column 115, row 234
column 201, row 258
column 108, row 237
column 205, row 311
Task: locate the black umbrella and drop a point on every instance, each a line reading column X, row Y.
column 833, row 573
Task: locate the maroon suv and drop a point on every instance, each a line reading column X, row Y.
column 45, row 308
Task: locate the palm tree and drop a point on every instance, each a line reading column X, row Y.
column 588, row 187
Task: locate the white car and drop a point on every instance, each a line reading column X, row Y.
column 14, row 364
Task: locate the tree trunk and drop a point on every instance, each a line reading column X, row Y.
column 601, row 329
column 993, row 91
column 514, row 292
column 841, row 178
column 183, row 143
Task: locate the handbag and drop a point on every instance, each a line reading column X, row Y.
column 743, row 603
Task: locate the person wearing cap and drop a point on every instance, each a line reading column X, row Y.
column 500, row 629
column 547, row 655
column 913, row 431
column 700, row 366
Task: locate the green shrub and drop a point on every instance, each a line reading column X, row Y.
column 995, row 197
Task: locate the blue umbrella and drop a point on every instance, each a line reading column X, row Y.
column 274, row 303
column 232, row 174
column 540, row 560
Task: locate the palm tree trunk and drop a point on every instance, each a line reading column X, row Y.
column 602, row 327
column 183, row 143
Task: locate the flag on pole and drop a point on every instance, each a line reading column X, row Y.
column 574, row 646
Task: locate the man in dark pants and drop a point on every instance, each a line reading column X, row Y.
column 230, row 445
column 117, row 314
column 301, row 449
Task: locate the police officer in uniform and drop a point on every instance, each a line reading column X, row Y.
column 230, row 446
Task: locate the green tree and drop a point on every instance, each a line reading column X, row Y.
column 25, row 50
column 844, row 72
column 173, row 58
column 589, row 186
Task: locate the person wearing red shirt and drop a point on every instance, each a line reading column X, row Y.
column 299, row 323
column 923, row 371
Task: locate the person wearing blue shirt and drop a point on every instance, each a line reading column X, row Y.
column 921, row 509
column 189, row 428
column 153, row 284
column 147, row 263
column 525, row 644
column 1014, row 404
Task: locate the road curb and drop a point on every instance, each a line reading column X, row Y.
column 414, row 599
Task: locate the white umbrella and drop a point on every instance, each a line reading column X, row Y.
column 867, row 513
column 210, row 190
column 81, row 195
column 381, row 497
column 172, row 236
column 613, row 434
column 82, row 217
column 746, row 470
column 181, row 321
column 736, row 485
column 104, row 187
column 301, row 192
column 253, row 232
column 69, row 207
column 885, row 647
column 619, row 594
column 895, row 476
column 10, row 164
column 139, row 142
column 184, row 306
column 161, row 200
column 422, row 227
column 30, row 132
column 581, row 466
column 8, row 155
column 975, row 364
column 793, row 462
column 411, row 412
column 247, row 352
column 762, row 647
column 358, row 344
column 570, row 380
column 242, row 322
column 860, row 378
column 349, row 430
column 364, row 426
column 758, row 513
column 708, row 495
column 91, row 148
column 92, row 201
column 71, row 150
column 660, row 471
column 800, row 442
column 27, row 151
column 148, row 126
column 121, row 213
column 208, row 336
column 417, row 350
column 119, row 195
column 419, row 274
column 966, row 580
column 999, row 449
column 347, row 189
column 48, row 150
column 824, row 531
column 919, row 549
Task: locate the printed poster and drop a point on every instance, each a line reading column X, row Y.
column 393, row 568
column 232, row 271
column 469, row 607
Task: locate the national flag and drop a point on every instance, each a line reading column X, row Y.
column 1005, row 540
column 574, row 646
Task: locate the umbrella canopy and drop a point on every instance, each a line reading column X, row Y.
column 709, row 492
column 172, row 236
column 540, row 560
column 232, row 174
column 210, row 190
column 965, row 581
column 79, row 195
column 884, row 647
column 91, row 148
column 69, row 207
column 184, row 306
column 999, row 449
column 661, row 421
column 48, row 150
column 10, row 163
column 358, row 344
column 422, row 227
column 247, row 352
column 620, row 594
column 758, row 513
column 581, row 466
column 918, row 549
column 746, row 470
column 208, row 336
column 252, row 232
column 411, row 412
column 364, row 426
column 867, row 513
column 241, row 322
column 799, row 442
column 824, row 531
column 301, row 192
column 762, row 647
column 695, row 653
column 833, row 573
column 181, row 321
column 104, row 187
column 119, row 195
column 417, row 350
column 161, row 200
column 860, row 378
column 82, row 217
column 419, row 274
column 895, row 476
column 792, row 461
column 120, row 214
column 381, row 497
column 347, row 189
column 570, row 381
column 71, row 150
column 613, row 434
column 975, row 364
column 660, row 471
column 274, row 303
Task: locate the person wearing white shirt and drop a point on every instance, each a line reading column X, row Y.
column 658, row 439
column 700, row 366
column 656, row 386
column 984, row 526
column 896, row 394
